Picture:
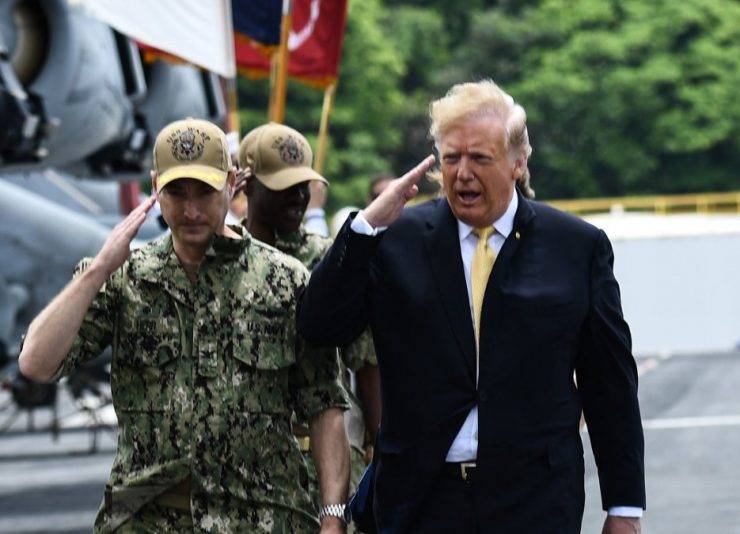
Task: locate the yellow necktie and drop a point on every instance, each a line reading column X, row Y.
column 480, row 270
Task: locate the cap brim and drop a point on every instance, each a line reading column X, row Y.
column 216, row 178
column 285, row 178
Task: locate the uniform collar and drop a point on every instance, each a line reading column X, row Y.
column 227, row 246
column 289, row 242
column 162, row 253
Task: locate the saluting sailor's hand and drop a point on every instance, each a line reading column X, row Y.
column 241, row 180
column 116, row 249
column 385, row 209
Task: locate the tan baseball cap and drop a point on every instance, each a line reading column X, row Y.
column 192, row 148
column 279, row 156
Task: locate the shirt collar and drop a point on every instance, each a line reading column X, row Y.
column 151, row 267
column 289, row 242
column 504, row 224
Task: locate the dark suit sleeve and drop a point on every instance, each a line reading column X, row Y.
column 334, row 307
column 607, row 379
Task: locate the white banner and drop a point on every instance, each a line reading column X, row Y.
column 198, row 31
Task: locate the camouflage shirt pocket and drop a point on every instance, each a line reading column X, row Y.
column 156, row 341
column 264, row 338
column 144, row 369
column 263, row 355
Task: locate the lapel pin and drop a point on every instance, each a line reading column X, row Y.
column 517, row 235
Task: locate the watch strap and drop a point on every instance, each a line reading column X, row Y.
column 334, row 510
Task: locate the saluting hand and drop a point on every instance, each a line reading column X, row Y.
column 385, row 209
column 116, row 249
column 241, row 180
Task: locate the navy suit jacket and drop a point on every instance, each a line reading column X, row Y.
column 551, row 307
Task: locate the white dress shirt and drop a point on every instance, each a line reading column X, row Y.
column 316, row 221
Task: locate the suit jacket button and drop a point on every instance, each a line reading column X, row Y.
column 482, row 395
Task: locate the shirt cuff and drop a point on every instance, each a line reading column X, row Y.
column 315, row 212
column 625, row 511
column 316, row 221
column 361, row 226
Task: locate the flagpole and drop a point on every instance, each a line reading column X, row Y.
column 232, row 100
column 326, row 109
column 277, row 101
column 273, row 78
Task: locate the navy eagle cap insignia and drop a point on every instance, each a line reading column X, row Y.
column 290, row 150
column 188, row 145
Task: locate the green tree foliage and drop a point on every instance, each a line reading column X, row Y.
column 369, row 99
column 420, row 37
column 456, row 14
column 623, row 96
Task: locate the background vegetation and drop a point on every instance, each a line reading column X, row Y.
column 623, row 96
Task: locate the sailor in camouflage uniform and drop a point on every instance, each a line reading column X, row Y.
column 208, row 374
column 277, row 160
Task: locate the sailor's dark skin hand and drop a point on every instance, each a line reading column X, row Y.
column 241, row 179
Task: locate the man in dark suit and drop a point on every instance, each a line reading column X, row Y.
column 479, row 428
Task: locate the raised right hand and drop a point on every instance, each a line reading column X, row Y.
column 385, row 209
column 241, row 180
column 116, row 249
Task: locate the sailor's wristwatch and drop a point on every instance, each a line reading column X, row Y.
column 336, row 510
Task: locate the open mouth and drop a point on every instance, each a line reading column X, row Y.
column 468, row 197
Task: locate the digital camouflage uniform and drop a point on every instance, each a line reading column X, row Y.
column 309, row 248
column 207, row 379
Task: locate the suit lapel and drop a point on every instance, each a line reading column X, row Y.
column 524, row 214
column 443, row 246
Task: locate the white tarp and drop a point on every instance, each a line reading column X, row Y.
column 679, row 280
column 200, row 32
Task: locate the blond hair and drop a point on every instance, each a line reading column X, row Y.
column 467, row 100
